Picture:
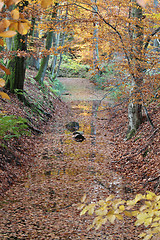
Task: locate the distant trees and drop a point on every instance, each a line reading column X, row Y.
column 128, row 30
column 95, row 25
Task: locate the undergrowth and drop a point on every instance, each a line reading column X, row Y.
column 72, row 68
column 13, row 126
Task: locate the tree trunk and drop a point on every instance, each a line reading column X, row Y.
column 34, row 62
column 135, row 104
column 17, row 65
column 95, row 39
column 45, row 60
column 61, row 55
column 54, row 62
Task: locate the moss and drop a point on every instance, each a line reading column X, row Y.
column 130, row 134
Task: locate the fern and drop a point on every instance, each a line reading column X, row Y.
column 12, row 126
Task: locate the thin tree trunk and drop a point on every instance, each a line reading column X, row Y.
column 62, row 44
column 45, row 60
column 34, row 62
column 61, row 55
column 95, row 39
column 57, row 36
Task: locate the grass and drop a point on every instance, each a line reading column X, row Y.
column 72, row 68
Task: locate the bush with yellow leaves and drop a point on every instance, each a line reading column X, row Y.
column 112, row 208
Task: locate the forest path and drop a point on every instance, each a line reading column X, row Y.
column 44, row 205
column 80, row 89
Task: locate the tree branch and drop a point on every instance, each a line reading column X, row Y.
column 149, row 38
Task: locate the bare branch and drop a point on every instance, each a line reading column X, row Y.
column 149, row 38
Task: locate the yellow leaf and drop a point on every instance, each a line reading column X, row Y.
column 15, row 14
column 4, row 95
column 111, row 217
column 142, row 235
column 84, row 211
column 91, row 208
column 119, row 217
column 141, row 218
column 101, row 211
column 2, row 82
column 109, row 198
column 142, row 208
column 46, row 3
column 156, row 219
column 135, row 213
column 147, row 222
column 8, row 34
column 80, row 206
column 100, row 222
column 156, row 224
column 23, row 28
column 6, row 70
column 150, row 195
column 101, row 202
column 131, row 202
column 139, row 197
column 83, row 198
column 148, row 237
column 121, row 207
column 128, row 214
column 117, row 202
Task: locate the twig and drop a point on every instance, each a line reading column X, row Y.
column 34, row 129
column 154, row 179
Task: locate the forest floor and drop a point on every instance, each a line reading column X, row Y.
column 43, row 183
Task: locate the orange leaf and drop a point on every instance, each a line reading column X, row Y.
column 1, row 42
column 11, row 2
column 46, row 3
column 6, row 70
column 4, row 24
column 8, row 34
column 15, row 14
column 2, row 82
column 14, row 26
column 4, row 95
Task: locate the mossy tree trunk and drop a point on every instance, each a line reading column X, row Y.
column 17, row 65
column 135, row 104
column 45, row 59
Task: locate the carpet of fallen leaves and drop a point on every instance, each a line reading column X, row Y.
column 43, row 177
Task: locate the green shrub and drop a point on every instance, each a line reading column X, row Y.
column 12, row 126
